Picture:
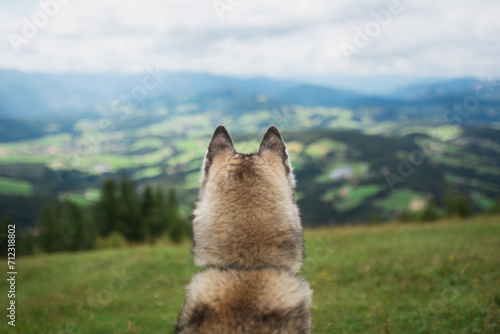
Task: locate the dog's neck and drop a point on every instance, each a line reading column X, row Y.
column 262, row 267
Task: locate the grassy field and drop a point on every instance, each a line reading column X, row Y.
column 433, row 278
column 15, row 187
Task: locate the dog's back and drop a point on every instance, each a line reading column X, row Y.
column 246, row 301
column 248, row 236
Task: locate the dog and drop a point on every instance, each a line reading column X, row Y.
column 247, row 236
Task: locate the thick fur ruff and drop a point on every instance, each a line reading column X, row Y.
column 247, row 234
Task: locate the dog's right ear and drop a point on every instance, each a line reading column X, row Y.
column 221, row 143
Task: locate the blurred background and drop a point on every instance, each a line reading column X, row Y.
column 390, row 110
column 384, row 104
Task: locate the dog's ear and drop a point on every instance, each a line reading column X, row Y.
column 221, row 143
column 273, row 146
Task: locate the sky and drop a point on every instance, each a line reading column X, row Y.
column 281, row 39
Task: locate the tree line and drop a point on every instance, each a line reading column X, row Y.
column 455, row 205
column 121, row 216
column 124, row 216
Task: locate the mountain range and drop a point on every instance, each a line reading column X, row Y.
column 61, row 135
column 33, row 95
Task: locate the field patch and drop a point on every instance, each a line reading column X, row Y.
column 146, row 143
column 398, row 200
column 343, row 170
column 322, row 147
column 15, row 187
column 349, row 197
column 147, row 173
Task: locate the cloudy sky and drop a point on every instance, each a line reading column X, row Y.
column 292, row 38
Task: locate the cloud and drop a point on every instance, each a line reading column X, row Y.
column 278, row 38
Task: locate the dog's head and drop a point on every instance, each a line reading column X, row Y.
column 246, row 215
column 223, row 166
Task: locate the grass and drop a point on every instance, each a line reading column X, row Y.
column 357, row 196
column 146, row 143
column 154, row 158
column 407, row 279
column 26, row 159
column 76, row 198
column 10, row 186
column 147, row 173
column 322, row 147
column 434, row 278
column 353, row 197
column 398, row 199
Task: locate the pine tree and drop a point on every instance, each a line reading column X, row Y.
column 408, row 216
column 4, row 230
column 177, row 228
column 430, row 212
column 147, row 211
column 374, row 217
column 129, row 222
column 159, row 222
column 456, row 205
column 27, row 243
column 50, row 235
column 106, row 210
column 450, row 204
column 495, row 208
column 463, row 209
column 64, row 227
column 81, row 232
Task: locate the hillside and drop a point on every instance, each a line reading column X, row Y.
column 439, row 278
column 356, row 157
column 343, row 176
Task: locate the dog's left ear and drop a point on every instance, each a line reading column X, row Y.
column 273, row 146
column 221, row 143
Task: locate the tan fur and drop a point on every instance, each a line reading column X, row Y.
column 246, row 301
column 247, row 232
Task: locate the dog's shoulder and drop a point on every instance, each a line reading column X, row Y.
column 261, row 301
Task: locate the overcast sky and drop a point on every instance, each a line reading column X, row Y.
column 278, row 38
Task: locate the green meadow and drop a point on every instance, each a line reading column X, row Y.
column 10, row 186
column 396, row 278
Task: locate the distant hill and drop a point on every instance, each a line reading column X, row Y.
column 343, row 176
column 29, row 95
column 461, row 87
column 62, row 134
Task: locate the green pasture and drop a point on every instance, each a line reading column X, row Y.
column 15, row 187
column 349, row 197
column 398, row 200
column 432, row 278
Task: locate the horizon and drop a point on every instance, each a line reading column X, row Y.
column 282, row 41
column 375, row 85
